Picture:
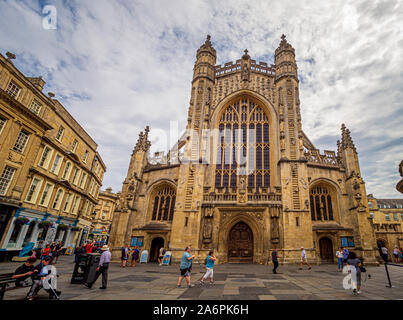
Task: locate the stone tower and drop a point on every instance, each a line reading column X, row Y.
column 186, row 226
column 292, row 163
column 126, row 211
column 357, row 203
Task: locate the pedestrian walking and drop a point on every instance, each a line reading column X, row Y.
column 161, row 255
column 102, row 268
column 185, row 266
column 52, row 253
column 304, row 259
column 401, row 255
column 355, row 263
column 135, row 256
column 59, row 248
column 210, row 260
column 345, row 255
column 125, row 255
column 274, row 259
column 384, row 253
column 340, row 258
column 396, row 253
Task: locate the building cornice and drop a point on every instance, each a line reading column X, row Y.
column 24, row 110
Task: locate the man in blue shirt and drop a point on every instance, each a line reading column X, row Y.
column 185, row 266
column 345, row 255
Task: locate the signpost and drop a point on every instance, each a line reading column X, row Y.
column 167, row 258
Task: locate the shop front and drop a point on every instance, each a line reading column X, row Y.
column 37, row 228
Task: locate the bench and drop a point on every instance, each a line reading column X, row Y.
column 5, row 281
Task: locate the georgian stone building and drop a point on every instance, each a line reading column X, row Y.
column 50, row 170
column 245, row 178
column 102, row 220
column 387, row 217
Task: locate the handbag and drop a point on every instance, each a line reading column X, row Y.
column 362, row 269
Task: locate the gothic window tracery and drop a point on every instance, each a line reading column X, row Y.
column 243, row 145
column 163, row 204
column 321, row 204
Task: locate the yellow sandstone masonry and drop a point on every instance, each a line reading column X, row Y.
column 245, row 178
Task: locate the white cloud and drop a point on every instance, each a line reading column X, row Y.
column 120, row 65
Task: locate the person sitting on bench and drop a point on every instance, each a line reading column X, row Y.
column 41, row 271
column 23, row 272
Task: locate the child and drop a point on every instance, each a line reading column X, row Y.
column 209, row 265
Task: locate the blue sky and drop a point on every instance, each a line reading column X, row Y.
column 119, row 65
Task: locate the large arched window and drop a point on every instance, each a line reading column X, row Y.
column 321, row 204
column 243, row 145
column 163, row 204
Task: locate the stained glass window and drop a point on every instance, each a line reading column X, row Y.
column 321, row 204
column 163, row 204
column 249, row 148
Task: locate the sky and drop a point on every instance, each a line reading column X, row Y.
column 118, row 66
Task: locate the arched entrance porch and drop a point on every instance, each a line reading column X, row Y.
column 156, row 244
column 326, row 250
column 240, row 244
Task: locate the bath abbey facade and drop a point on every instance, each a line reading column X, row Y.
column 245, row 178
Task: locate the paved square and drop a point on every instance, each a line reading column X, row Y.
column 233, row 282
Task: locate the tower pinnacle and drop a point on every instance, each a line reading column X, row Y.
column 142, row 142
column 346, row 140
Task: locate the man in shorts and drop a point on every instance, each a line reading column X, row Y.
column 304, row 259
column 186, row 264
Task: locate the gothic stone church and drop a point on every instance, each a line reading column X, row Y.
column 245, row 178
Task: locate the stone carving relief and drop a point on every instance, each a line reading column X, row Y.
column 207, row 230
column 303, row 183
column 274, row 223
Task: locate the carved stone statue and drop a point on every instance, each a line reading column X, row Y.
column 301, row 145
column 245, row 72
column 282, row 144
column 242, row 183
column 274, row 229
column 208, row 230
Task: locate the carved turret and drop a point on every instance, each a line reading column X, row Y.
column 284, row 60
column 205, row 61
column 142, row 142
column 346, row 140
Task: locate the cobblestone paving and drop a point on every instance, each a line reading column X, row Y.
column 232, row 282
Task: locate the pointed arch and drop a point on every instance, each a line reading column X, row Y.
column 247, row 148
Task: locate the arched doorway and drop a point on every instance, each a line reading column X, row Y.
column 156, row 244
column 240, row 244
column 326, row 250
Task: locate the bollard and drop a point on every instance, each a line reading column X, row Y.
column 387, row 273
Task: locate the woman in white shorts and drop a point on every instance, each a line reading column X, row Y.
column 209, row 265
